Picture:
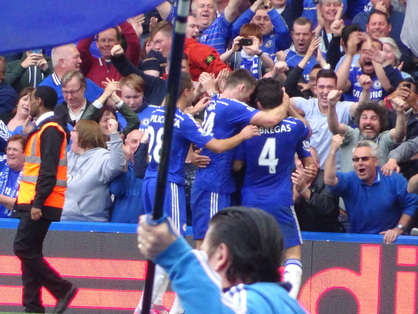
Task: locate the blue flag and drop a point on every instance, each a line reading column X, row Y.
column 33, row 24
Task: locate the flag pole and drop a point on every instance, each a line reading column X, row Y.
column 176, row 56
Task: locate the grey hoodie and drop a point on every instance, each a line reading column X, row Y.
column 89, row 174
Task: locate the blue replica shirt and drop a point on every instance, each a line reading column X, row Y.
column 223, row 118
column 197, row 284
column 216, row 35
column 186, row 130
column 293, row 59
column 353, row 94
column 375, row 208
column 9, row 185
column 93, row 91
column 143, row 116
column 269, row 160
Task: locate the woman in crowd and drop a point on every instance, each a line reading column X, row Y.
column 19, row 115
column 91, row 167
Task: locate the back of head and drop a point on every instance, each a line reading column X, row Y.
column 133, row 81
column 254, row 241
column 185, row 82
column 89, row 134
column 381, row 111
column 269, row 93
column 60, row 52
column 250, row 29
column 48, row 96
column 240, row 76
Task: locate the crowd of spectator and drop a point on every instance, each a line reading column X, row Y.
column 348, row 72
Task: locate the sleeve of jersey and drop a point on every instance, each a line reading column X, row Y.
column 197, row 285
column 241, row 20
column 407, row 201
column 303, row 146
column 194, row 133
column 342, row 187
column 241, row 114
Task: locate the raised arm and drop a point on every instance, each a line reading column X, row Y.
column 231, row 11
column 330, row 168
column 344, row 70
column 164, row 9
column 397, row 134
column 334, row 126
column 220, row 146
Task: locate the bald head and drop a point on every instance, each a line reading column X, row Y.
column 65, row 58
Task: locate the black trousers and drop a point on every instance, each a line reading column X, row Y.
column 36, row 271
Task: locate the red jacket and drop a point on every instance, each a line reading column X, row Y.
column 202, row 58
column 96, row 69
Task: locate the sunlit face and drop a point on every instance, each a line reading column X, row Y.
column 262, row 19
column 323, row 86
column 133, row 139
column 369, row 124
column 378, row 26
column 132, row 97
column 162, row 43
column 72, row 61
column 329, row 9
column 388, row 49
column 105, row 42
column 365, row 169
column 23, row 106
column 205, row 12
column 302, row 37
column 192, row 30
column 15, row 155
column 73, row 93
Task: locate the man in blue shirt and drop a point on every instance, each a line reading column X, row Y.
column 302, row 35
column 65, row 59
column 269, row 161
column 374, row 203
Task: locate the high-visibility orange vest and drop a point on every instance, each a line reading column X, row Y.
column 30, row 173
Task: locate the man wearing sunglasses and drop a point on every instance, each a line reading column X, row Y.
column 374, row 203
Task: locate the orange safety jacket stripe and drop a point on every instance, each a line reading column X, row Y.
column 31, row 168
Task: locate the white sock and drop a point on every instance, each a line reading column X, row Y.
column 293, row 274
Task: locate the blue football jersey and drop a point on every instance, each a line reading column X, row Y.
column 224, row 118
column 269, row 160
column 143, row 117
column 186, row 130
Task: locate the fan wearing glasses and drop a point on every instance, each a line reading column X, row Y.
column 374, row 203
